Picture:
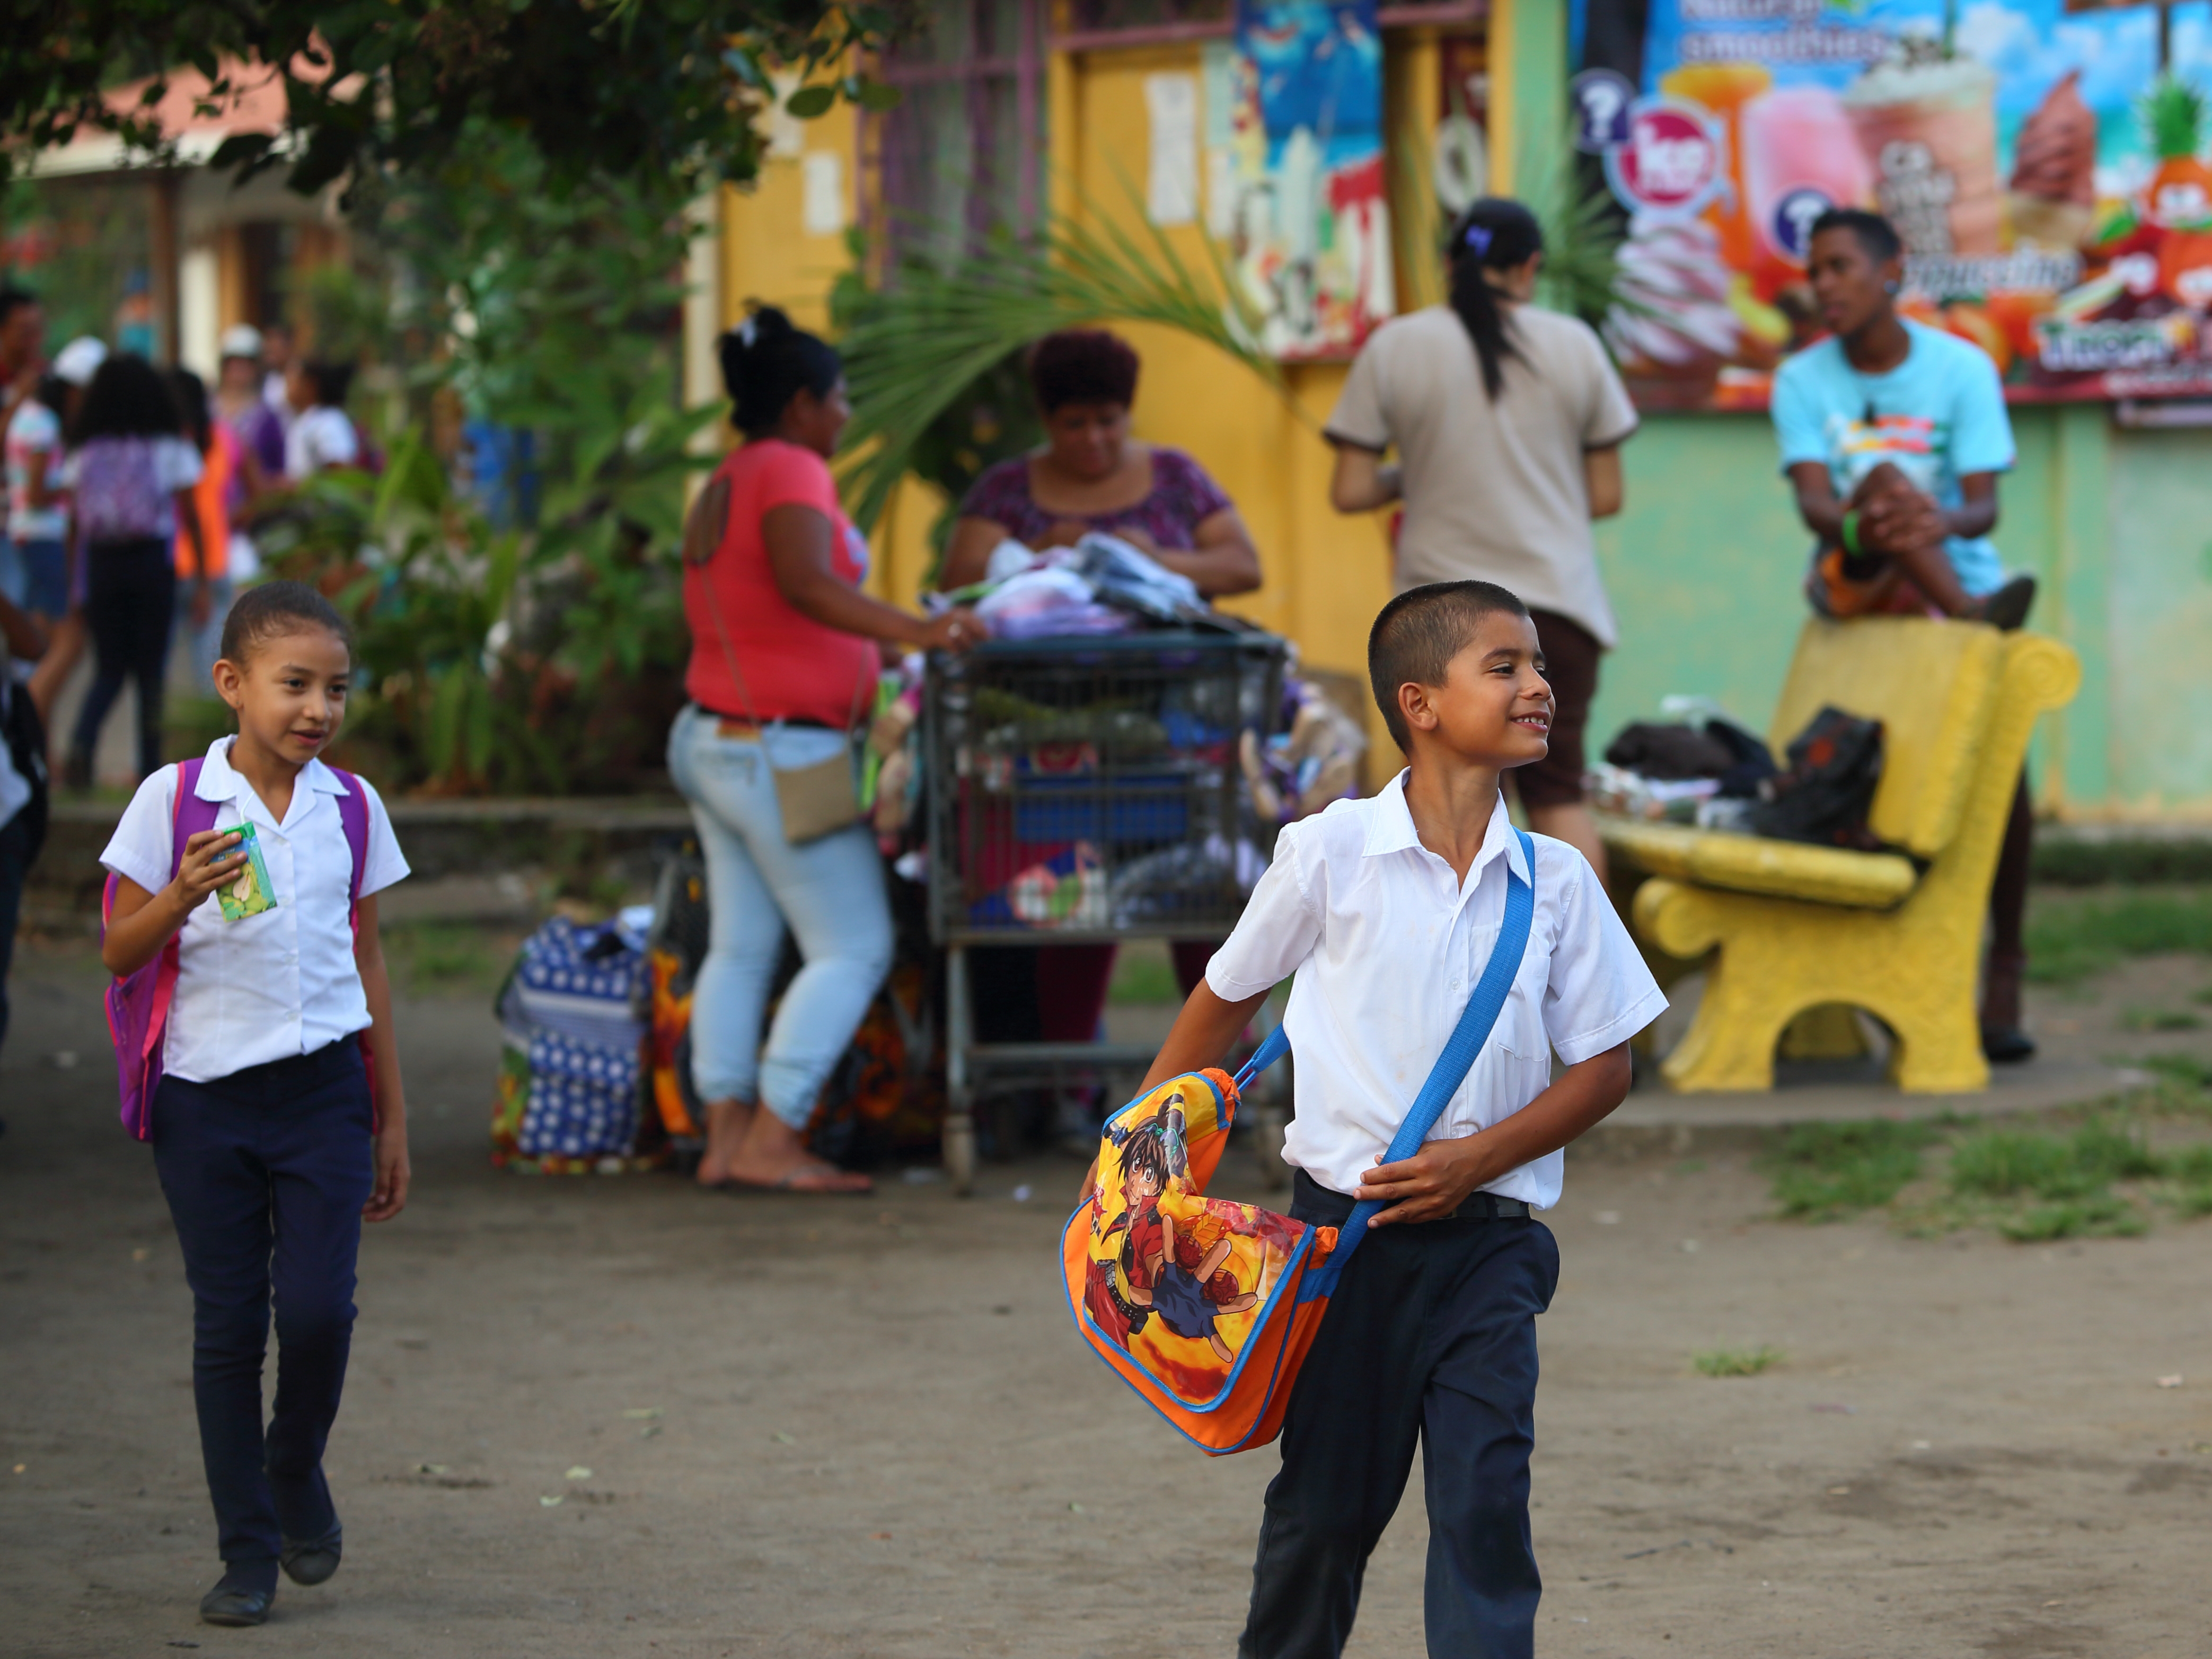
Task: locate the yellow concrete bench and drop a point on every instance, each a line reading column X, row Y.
column 1783, row 928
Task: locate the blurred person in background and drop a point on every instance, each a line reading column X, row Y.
column 784, row 662
column 1091, row 474
column 22, row 360
column 38, row 510
column 131, row 479
column 74, row 366
column 22, row 778
column 276, row 358
column 322, row 435
column 1508, row 420
column 209, row 581
column 240, row 405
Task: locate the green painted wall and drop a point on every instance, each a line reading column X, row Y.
column 1705, row 570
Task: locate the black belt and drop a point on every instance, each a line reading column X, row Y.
column 1330, row 1208
column 773, row 720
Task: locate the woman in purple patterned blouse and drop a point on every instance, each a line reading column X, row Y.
column 1092, row 474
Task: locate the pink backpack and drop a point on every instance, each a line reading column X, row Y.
column 138, row 1005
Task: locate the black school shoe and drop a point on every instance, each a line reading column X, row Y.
column 242, row 1598
column 2006, row 1045
column 313, row 1560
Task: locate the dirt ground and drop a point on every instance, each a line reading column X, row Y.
column 626, row 1417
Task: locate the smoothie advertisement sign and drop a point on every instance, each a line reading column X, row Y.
column 1296, row 165
column 2045, row 164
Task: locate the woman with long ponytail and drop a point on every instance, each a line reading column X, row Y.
column 1508, row 421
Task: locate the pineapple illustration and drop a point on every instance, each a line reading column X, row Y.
column 2179, row 195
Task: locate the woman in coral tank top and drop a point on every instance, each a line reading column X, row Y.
column 784, row 657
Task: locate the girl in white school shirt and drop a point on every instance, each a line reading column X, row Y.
column 271, row 1150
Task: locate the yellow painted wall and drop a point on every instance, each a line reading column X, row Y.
column 1326, row 574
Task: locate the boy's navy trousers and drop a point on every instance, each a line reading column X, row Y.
column 1432, row 1333
column 266, row 1171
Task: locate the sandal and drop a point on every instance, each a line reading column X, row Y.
column 822, row 1179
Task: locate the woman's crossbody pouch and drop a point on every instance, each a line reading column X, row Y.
column 813, row 801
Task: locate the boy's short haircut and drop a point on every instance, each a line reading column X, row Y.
column 1877, row 237
column 1420, row 632
column 268, row 610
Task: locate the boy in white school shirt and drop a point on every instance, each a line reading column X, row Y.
column 1386, row 910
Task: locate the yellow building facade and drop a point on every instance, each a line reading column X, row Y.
column 1326, row 574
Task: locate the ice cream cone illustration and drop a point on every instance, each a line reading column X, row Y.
column 2054, row 190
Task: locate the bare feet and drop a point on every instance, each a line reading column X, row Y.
column 726, row 1122
column 771, row 1153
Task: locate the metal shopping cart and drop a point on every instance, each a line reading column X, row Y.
column 1084, row 790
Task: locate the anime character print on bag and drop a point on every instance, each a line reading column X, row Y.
column 1171, row 1272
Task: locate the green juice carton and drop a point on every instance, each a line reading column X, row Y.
column 248, row 893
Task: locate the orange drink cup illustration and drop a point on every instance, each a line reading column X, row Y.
column 1930, row 130
column 1724, row 89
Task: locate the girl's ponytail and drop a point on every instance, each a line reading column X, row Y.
column 1496, row 233
column 766, row 363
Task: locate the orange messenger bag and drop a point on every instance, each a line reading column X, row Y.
column 1204, row 1307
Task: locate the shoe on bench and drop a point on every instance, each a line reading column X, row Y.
column 2007, row 608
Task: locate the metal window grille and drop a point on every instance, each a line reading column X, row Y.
column 962, row 154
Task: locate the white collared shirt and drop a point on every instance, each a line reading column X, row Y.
column 1386, row 946
column 281, row 983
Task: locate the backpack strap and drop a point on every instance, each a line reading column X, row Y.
column 353, row 816
column 1466, row 1041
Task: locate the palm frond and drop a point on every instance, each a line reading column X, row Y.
column 915, row 345
column 1582, row 230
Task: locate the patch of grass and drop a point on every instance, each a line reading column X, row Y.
column 1735, row 1362
column 2100, row 1217
column 1144, row 975
column 2014, row 1163
column 2191, row 1163
column 2160, row 1020
column 2069, row 938
column 2193, row 1202
column 444, row 957
column 1822, row 1171
column 2182, row 1068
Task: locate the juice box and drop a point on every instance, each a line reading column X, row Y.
column 248, row 893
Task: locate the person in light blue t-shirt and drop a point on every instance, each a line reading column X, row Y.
column 1893, row 435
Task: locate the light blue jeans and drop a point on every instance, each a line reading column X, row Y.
column 829, row 892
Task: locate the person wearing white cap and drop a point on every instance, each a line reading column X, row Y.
column 240, row 405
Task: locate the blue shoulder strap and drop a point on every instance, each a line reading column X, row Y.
column 1483, row 1008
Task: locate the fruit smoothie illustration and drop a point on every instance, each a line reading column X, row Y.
column 1801, row 157
column 1724, row 89
column 1928, row 125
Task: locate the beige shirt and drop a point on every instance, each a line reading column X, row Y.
column 1494, row 491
